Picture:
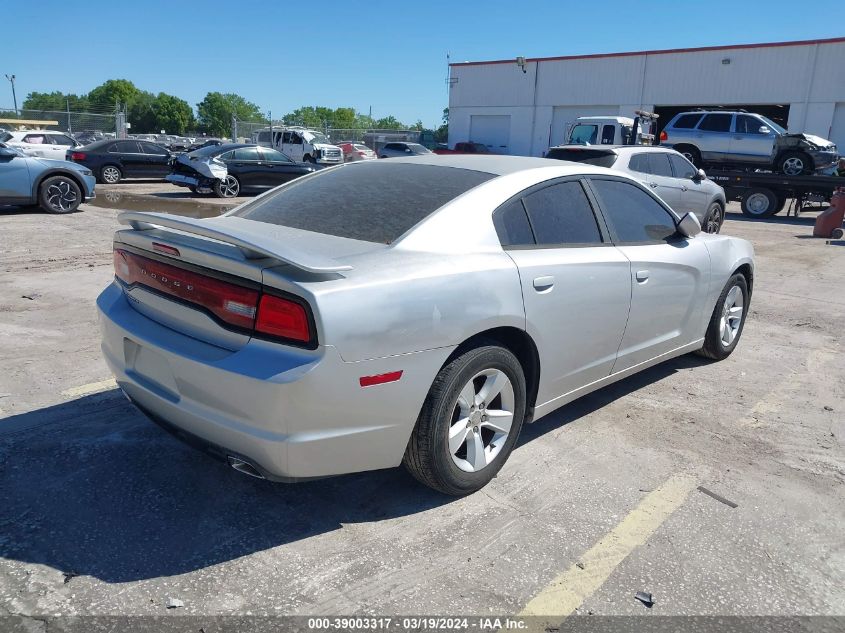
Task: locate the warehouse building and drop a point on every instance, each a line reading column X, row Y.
column 524, row 106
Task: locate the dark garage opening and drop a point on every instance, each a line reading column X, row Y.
column 779, row 113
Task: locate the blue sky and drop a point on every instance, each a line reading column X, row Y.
column 388, row 55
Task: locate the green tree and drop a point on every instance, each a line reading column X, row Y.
column 215, row 112
column 55, row 101
column 441, row 134
column 389, row 123
column 8, row 114
column 418, row 126
column 173, row 114
column 141, row 113
column 104, row 96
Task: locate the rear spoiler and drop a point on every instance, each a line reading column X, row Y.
column 254, row 239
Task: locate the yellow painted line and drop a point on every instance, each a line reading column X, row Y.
column 568, row 590
column 90, row 388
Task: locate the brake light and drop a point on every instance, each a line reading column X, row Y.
column 78, row 155
column 664, row 136
column 282, row 318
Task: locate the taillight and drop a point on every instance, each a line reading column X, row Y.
column 231, row 303
column 282, row 318
column 78, row 155
column 664, row 136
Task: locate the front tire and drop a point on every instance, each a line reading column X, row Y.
column 469, row 421
column 59, row 194
column 714, row 218
column 727, row 320
column 227, row 187
column 795, row 164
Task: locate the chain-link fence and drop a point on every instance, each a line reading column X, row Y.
column 372, row 138
column 73, row 122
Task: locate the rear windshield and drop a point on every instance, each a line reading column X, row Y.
column 374, row 201
column 597, row 157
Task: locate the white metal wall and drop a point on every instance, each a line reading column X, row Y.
column 809, row 77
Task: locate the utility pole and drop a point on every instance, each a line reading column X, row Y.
column 11, row 79
column 270, row 116
column 69, row 124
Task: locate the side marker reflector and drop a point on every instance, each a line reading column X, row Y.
column 380, row 379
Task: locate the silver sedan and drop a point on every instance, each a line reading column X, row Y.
column 413, row 311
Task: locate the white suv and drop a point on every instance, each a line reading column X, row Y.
column 671, row 176
column 300, row 144
column 43, row 143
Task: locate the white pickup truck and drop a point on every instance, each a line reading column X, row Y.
column 300, row 144
column 612, row 130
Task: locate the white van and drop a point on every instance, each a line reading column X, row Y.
column 610, row 130
column 300, row 144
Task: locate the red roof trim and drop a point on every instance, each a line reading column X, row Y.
column 833, row 40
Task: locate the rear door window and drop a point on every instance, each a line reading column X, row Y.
column 561, row 214
column 152, row 148
column 716, row 123
column 659, row 164
column 639, row 163
column 36, row 139
column 512, row 225
column 374, row 201
column 634, row 216
column 247, row 154
column 687, row 121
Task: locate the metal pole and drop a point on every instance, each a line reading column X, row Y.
column 270, row 116
column 69, row 124
column 11, row 79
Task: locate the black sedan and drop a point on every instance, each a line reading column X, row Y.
column 230, row 169
column 111, row 160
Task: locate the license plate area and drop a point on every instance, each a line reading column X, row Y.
column 150, row 369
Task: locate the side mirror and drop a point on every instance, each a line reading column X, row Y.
column 764, row 129
column 689, row 225
column 5, row 152
column 699, row 176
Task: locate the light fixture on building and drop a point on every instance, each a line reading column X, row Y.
column 726, row 61
column 520, row 61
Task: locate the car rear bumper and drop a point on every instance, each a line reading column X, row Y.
column 182, row 181
column 290, row 413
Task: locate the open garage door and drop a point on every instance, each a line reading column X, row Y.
column 779, row 113
column 564, row 117
column 837, row 128
column 492, row 130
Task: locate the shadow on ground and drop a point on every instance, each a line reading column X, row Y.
column 95, row 489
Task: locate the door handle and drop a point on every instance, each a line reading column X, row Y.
column 684, row 188
column 652, row 184
column 544, row 283
column 642, row 276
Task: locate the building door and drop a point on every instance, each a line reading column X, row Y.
column 492, row 130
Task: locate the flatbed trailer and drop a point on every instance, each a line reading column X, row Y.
column 763, row 194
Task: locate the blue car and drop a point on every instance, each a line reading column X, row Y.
column 57, row 186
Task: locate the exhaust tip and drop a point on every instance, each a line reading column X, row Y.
column 244, row 467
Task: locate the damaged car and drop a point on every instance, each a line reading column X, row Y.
column 231, row 169
column 746, row 138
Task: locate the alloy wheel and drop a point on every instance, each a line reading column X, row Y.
column 481, row 420
column 111, row 175
column 793, row 166
column 731, row 320
column 61, row 196
column 714, row 220
column 229, row 187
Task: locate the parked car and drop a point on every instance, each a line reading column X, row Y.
column 300, row 144
column 745, row 138
column 43, row 143
column 393, row 150
column 235, row 168
column 671, row 176
column 205, row 142
column 421, row 320
column 467, row 147
column 353, row 151
column 113, row 160
column 57, row 186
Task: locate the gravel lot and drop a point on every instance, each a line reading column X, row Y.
column 103, row 513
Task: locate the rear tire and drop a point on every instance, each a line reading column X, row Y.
column 228, row 187
column 760, row 203
column 715, row 218
column 110, row 175
column 59, row 194
column 456, row 446
column 727, row 321
column 690, row 153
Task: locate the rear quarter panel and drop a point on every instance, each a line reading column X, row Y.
column 727, row 254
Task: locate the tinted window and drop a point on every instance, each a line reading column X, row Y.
column 512, row 225
column 263, row 137
column 227, row 155
column 748, row 124
column 659, row 164
column 682, row 167
column 608, row 133
column 61, row 139
column 247, row 153
column 375, row 201
column 716, row 123
column 639, row 162
column 687, row 121
column 35, row 139
column 561, row 214
column 633, row 214
column 598, row 157
column 274, row 156
column 584, row 134
column 151, row 148
column 395, row 146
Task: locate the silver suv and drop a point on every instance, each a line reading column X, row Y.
column 745, row 138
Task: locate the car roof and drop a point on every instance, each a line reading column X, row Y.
column 618, row 148
column 609, row 117
column 495, row 164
